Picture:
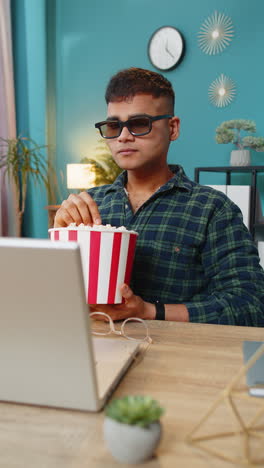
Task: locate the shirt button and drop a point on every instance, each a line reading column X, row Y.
column 126, row 206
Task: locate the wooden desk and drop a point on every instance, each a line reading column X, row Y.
column 184, row 369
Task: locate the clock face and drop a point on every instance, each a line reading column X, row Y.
column 166, row 48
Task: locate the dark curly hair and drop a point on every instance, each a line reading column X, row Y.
column 131, row 81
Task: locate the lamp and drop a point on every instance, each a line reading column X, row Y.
column 80, row 176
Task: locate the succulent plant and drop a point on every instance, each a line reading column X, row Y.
column 230, row 132
column 135, row 410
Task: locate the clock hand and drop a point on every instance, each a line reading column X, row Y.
column 168, row 50
column 172, row 56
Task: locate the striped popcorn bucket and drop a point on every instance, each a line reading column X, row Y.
column 107, row 259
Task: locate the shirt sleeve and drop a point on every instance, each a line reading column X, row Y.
column 235, row 290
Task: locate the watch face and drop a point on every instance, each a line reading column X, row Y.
column 165, row 48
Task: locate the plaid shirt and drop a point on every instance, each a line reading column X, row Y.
column 192, row 249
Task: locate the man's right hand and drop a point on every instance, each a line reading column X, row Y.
column 78, row 209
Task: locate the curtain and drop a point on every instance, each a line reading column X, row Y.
column 8, row 223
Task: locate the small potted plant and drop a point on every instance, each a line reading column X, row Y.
column 132, row 428
column 230, row 132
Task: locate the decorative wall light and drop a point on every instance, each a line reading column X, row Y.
column 215, row 33
column 222, row 91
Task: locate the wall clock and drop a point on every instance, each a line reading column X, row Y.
column 166, row 48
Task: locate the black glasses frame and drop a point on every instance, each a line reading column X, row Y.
column 127, row 124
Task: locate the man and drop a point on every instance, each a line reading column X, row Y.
column 195, row 259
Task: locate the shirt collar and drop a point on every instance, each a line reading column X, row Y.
column 179, row 180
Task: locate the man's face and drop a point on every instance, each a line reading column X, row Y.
column 142, row 152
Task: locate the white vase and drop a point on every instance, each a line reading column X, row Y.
column 240, row 158
column 131, row 443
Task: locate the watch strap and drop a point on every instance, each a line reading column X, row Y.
column 160, row 311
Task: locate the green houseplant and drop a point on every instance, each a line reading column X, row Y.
column 22, row 160
column 132, row 428
column 230, row 131
column 103, row 164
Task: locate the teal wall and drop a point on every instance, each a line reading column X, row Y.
column 88, row 41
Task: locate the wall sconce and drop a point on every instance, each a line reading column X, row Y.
column 222, row 91
column 215, row 34
column 80, row 176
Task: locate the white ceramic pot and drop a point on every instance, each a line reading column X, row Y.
column 130, row 443
column 240, row 158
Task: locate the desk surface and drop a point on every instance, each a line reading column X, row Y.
column 184, row 369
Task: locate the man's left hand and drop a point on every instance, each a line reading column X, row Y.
column 133, row 306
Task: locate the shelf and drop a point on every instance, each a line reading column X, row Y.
column 231, row 169
column 228, row 170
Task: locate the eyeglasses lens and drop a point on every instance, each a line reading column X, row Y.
column 139, row 125
column 110, row 129
column 103, row 326
column 135, row 330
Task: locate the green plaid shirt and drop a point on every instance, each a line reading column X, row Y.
column 192, row 249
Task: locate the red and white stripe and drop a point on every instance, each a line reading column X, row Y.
column 107, row 261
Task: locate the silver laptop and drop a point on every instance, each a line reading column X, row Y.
column 47, row 353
